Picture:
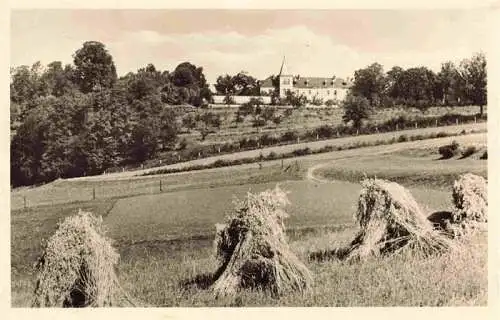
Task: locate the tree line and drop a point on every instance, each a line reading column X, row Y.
column 80, row 119
column 420, row 87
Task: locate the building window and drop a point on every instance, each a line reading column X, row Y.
column 335, row 92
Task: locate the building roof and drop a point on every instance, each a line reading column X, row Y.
column 320, row 82
column 267, row 83
column 312, row 83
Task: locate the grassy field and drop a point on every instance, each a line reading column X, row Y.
column 166, row 238
column 410, row 171
column 64, row 191
column 458, row 278
column 195, row 212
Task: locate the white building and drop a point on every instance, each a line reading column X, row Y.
column 332, row 88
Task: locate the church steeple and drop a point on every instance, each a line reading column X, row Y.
column 285, row 79
column 283, row 69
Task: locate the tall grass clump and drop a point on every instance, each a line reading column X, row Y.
column 253, row 250
column 390, row 219
column 77, row 267
column 470, row 199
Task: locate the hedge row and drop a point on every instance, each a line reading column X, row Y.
column 320, row 133
column 301, row 152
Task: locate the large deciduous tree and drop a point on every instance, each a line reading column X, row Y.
column 356, row 109
column 449, row 83
column 419, row 87
column 188, row 85
column 95, row 69
column 224, row 85
column 370, row 83
column 473, row 71
column 59, row 80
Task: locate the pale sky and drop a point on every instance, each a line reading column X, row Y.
column 315, row 43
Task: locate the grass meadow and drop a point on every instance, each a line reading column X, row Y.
column 408, row 170
column 166, row 238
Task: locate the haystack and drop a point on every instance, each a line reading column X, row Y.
column 470, row 198
column 390, row 219
column 253, row 250
column 77, row 268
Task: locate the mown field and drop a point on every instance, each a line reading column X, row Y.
column 409, row 167
column 166, row 238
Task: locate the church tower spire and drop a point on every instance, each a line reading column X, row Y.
column 285, row 80
column 283, row 69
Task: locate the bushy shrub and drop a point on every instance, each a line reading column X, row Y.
column 220, row 163
column 182, row 144
column 272, row 156
column 330, row 103
column 258, row 122
column 289, row 136
column 268, row 140
column 449, row 150
column 248, row 143
column 468, row 151
column 302, row 152
column 403, row 138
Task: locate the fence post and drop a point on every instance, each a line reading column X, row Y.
column 281, row 163
column 456, row 121
column 475, row 120
column 436, row 122
column 317, row 136
column 357, row 132
column 179, row 157
column 416, row 125
column 93, row 193
column 24, row 202
column 298, row 139
column 160, row 187
column 337, row 134
column 397, row 127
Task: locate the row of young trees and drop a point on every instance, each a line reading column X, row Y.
column 80, row 119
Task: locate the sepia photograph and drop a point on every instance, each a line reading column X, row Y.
column 248, row 158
